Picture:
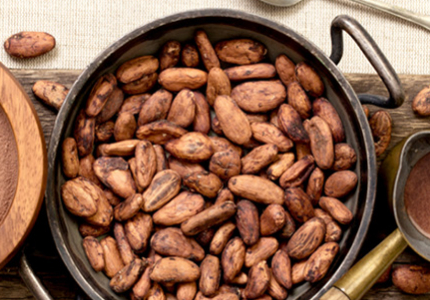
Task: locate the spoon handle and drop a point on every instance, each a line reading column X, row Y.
column 419, row 19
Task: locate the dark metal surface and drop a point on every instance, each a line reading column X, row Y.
column 30, row 279
column 219, row 24
column 375, row 57
column 412, row 150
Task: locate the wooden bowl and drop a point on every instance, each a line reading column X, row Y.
column 23, row 165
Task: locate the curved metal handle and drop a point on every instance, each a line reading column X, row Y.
column 33, row 283
column 30, row 279
column 419, row 19
column 361, row 277
column 373, row 54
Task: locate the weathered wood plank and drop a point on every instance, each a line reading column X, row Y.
column 53, row 272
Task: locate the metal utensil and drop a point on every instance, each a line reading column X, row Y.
column 393, row 174
column 419, row 19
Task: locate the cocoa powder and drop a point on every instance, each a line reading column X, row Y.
column 416, row 195
column 8, row 165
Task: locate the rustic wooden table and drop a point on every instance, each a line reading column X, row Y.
column 52, row 271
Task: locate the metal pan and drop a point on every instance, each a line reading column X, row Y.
column 225, row 24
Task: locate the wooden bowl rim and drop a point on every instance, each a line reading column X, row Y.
column 32, row 173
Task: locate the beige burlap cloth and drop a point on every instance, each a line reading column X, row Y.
column 83, row 28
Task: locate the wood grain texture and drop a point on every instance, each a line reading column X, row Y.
column 32, row 166
column 62, row 286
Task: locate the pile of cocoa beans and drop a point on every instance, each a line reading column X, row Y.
column 194, row 181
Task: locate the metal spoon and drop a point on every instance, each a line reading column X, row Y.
column 419, row 19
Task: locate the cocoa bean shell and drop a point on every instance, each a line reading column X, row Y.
column 94, row 253
column 261, row 251
column 127, row 276
column 205, row 183
column 233, row 258
column 258, row 158
column 207, row 52
column 179, row 209
column 115, row 174
column 411, row 279
column 164, row 186
column 175, row 270
column 169, row 55
column 225, row 164
column 299, row 100
column 254, row 71
column 112, row 257
column 315, row 185
column 272, row 219
column 321, row 142
column 233, row 120
column 136, row 68
column 344, row 157
column 27, row 44
column 281, row 268
column 218, row 84
column 128, row 208
column 192, row 146
column 220, row 144
column 381, row 126
column 160, row 132
column 297, row 173
column 99, row 95
column 340, row 184
column 138, row 231
column 84, row 133
column 210, row 275
column 80, row 196
column 183, row 109
column 50, row 92
column 256, row 189
column 209, row 217
column 306, row 239
column 133, row 104
column 421, row 102
column 70, row 158
column 247, row 222
column 336, row 209
column 258, row 280
column 125, row 127
column 176, row 79
column 270, row 134
column 190, row 56
column 186, row 291
column 221, row 237
column 319, row 262
column 326, row 111
column 259, row 96
column 291, row 124
column 155, row 107
column 202, row 119
column 142, row 85
column 124, row 247
column 276, row 169
column 299, row 204
column 112, row 106
column 309, row 79
column 285, row 69
column 240, row 51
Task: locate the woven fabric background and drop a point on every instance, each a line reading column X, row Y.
column 83, row 28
